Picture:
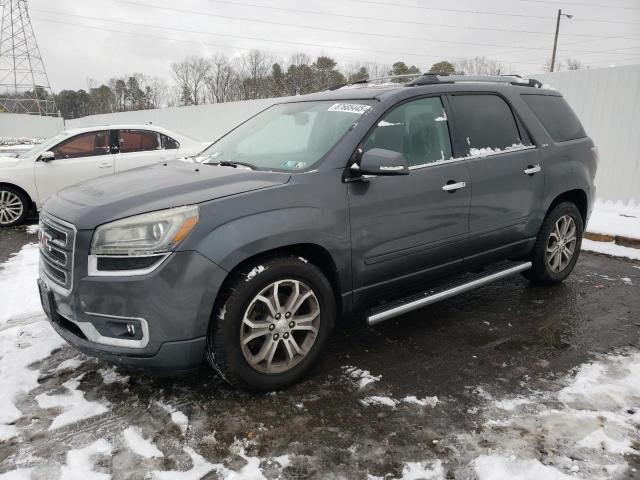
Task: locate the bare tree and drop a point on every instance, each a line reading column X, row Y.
column 479, row 66
column 222, row 83
column 191, row 75
column 254, row 68
column 574, row 64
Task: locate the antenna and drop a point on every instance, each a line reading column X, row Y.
column 24, row 85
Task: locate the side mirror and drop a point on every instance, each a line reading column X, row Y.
column 379, row 161
column 47, row 156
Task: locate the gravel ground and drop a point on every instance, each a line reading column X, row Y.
column 433, row 394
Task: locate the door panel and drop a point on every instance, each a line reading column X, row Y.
column 407, row 229
column 504, row 199
column 140, row 148
column 77, row 159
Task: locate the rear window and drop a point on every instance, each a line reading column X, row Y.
column 485, row 121
column 556, row 116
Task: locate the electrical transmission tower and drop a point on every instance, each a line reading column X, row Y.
column 24, row 85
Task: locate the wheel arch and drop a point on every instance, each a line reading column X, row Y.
column 576, row 196
column 307, row 252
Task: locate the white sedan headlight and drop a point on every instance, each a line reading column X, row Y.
column 146, row 234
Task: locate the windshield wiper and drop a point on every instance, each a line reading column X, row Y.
column 234, row 164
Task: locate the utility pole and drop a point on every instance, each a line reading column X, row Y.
column 555, row 40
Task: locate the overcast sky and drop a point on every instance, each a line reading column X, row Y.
column 100, row 39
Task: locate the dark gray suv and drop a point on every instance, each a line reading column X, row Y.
column 372, row 200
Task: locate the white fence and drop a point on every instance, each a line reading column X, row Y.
column 18, row 125
column 607, row 100
column 202, row 122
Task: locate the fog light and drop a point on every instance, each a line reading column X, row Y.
column 131, row 329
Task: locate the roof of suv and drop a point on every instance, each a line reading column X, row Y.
column 364, row 90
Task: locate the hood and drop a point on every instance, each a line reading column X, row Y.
column 173, row 184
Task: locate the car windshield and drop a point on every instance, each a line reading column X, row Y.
column 44, row 146
column 287, row 137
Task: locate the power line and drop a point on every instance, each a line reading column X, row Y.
column 135, row 24
column 291, row 42
column 575, row 4
column 475, row 12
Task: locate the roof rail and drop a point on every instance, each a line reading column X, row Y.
column 431, row 78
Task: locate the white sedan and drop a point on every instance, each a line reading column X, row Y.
column 77, row 155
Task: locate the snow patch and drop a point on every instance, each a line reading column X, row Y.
column 200, row 468
column 70, row 364
column 423, row 402
column 610, row 248
column 19, row 295
column 378, row 400
column 111, row 376
column 32, row 229
column 495, row 467
column 255, row 271
column 362, row 378
column 19, row 474
column 177, row 417
column 138, row 445
column 81, row 462
column 20, row 347
column 75, row 406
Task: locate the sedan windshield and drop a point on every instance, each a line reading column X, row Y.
column 287, row 137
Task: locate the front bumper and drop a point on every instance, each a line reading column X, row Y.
column 173, row 303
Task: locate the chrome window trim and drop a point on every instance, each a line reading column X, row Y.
column 93, row 335
column 51, row 282
column 459, row 159
column 94, row 272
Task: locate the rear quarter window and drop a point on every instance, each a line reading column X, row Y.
column 556, row 116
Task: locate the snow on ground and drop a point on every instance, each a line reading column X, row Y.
column 18, row 289
column 74, row 405
column 140, row 446
column 615, row 219
column 610, row 248
column 81, row 463
column 588, row 426
column 361, row 378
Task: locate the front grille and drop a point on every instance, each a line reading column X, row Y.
column 57, row 240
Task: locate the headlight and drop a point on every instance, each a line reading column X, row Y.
column 146, row 234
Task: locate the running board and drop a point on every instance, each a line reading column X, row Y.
column 386, row 312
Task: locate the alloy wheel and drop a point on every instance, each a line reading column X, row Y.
column 280, row 326
column 561, row 244
column 11, row 207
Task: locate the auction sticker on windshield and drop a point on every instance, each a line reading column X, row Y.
column 349, row 108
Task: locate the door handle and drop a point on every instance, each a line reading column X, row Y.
column 452, row 186
column 532, row 169
column 104, row 165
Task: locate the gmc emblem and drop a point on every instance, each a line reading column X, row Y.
column 44, row 238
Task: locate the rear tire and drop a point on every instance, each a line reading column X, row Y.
column 14, row 206
column 557, row 247
column 271, row 324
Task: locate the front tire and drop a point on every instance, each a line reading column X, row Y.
column 558, row 245
column 14, row 206
column 271, row 324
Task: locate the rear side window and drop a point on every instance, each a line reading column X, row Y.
column 485, row 122
column 169, row 143
column 556, row 116
column 138, row 141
